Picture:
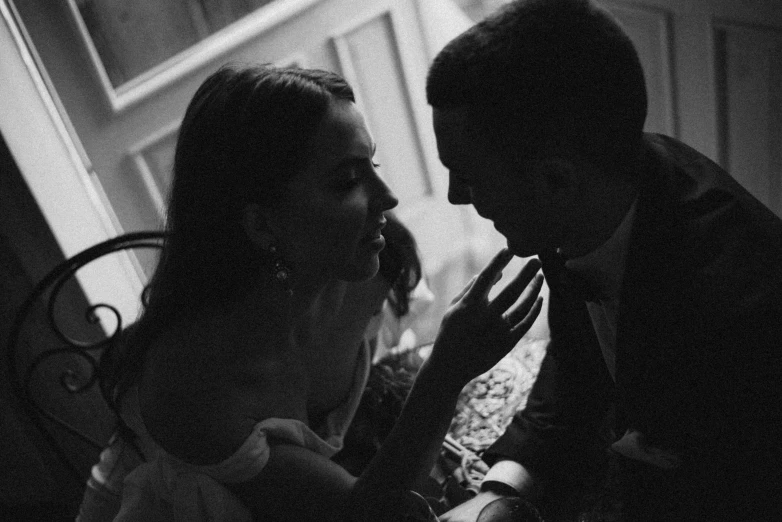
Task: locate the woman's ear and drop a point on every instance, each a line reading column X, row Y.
column 257, row 227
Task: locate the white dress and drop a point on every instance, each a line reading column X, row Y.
column 168, row 489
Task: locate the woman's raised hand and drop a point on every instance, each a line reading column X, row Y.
column 475, row 332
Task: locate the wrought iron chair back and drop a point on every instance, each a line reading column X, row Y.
column 80, row 373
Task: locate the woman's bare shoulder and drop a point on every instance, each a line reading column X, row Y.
column 200, row 395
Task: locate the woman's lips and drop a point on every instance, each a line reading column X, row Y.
column 377, row 243
column 375, row 239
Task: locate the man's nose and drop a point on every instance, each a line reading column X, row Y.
column 459, row 193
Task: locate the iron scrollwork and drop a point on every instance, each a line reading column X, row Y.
column 48, row 290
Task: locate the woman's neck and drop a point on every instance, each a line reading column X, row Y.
column 306, row 291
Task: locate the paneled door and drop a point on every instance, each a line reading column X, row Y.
column 714, row 75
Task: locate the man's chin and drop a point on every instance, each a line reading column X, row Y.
column 521, row 249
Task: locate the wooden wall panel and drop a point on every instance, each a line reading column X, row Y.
column 370, row 58
column 748, row 65
column 153, row 161
column 652, row 33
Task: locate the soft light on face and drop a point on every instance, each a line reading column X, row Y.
column 330, row 219
column 484, row 176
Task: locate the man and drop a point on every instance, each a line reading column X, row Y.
column 659, row 395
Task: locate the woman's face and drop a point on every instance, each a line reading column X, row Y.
column 328, row 224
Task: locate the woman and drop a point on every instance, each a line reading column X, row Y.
column 344, row 314
column 275, row 195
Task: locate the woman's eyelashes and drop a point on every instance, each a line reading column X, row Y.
column 351, row 174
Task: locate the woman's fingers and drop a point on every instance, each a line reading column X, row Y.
column 464, row 290
column 511, row 293
column 526, row 323
column 528, row 297
column 488, row 276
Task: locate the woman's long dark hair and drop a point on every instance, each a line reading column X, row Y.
column 399, row 264
column 244, row 134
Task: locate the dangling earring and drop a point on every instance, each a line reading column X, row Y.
column 281, row 271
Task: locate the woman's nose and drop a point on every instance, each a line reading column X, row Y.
column 385, row 198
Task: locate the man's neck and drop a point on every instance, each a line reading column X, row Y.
column 603, row 207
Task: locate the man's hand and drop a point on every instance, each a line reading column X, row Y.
column 469, row 511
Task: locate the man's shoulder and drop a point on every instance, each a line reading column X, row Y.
column 674, row 148
column 701, row 229
column 694, row 190
column 682, row 174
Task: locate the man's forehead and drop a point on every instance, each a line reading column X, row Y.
column 458, row 120
column 457, row 131
column 467, row 130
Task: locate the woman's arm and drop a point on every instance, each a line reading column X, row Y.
column 297, row 484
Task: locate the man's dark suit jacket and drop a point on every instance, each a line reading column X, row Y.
column 699, row 338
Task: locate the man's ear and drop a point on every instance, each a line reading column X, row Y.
column 556, row 180
column 257, row 226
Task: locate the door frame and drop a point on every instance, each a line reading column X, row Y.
column 54, row 168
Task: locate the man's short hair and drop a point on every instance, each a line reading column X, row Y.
column 550, row 72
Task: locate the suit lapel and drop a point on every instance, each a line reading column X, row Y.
column 651, row 302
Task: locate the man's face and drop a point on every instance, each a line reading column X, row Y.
column 501, row 190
